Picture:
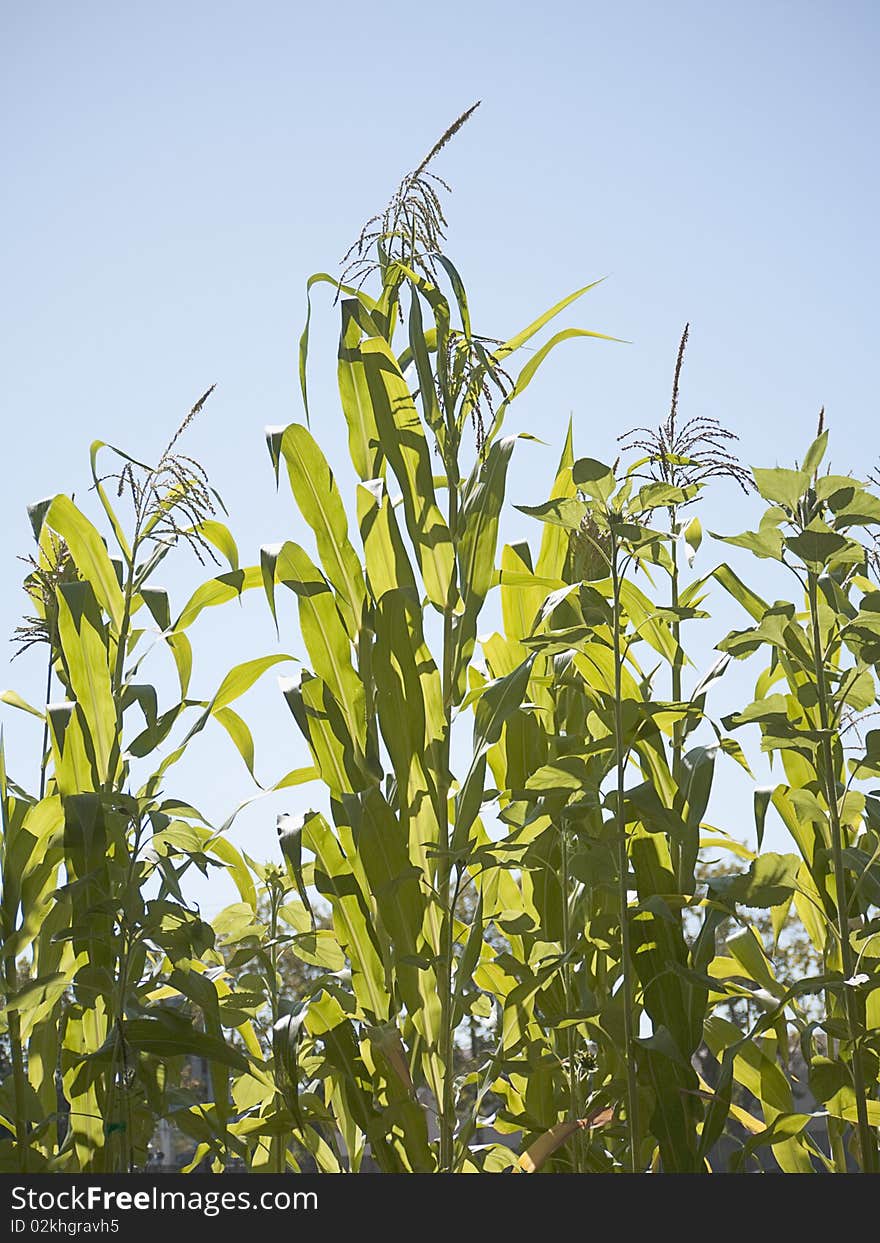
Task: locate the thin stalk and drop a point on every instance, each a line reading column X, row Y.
column 447, row 1119
column 834, row 1128
column 16, row 1049
column 278, row 1149
column 632, row 1096
column 574, row 1111
column 866, row 1138
column 117, row 675
column 120, row 1047
column 44, row 759
column 678, row 726
column 119, row 665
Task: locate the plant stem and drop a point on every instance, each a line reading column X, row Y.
column 447, row 1119
column 19, row 1080
column 866, row 1138
column 277, row 1150
column 121, row 973
column 678, row 726
column 632, row 1096
column 44, row 759
column 119, row 668
column 573, row 1091
column 833, row 1126
column 120, row 1047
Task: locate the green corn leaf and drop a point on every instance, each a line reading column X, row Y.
column 762, row 799
column 521, row 338
column 15, row 701
column 527, row 374
column 322, row 724
column 241, row 678
column 89, row 554
column 476, row 549
column 73, row 768
column 409, row 697
column 219, row 535
column 406, row 448
column 387, row 564
column 693, row 537
column 753, row 604
column 324, row 635
column 522, row 591
column 335, row 879
column 241, row 736
column 156, row 600
column 354, row 391
column 317, row 496
column 357, row 295
column 84, row 643
column 219, row 590
column 554, row 544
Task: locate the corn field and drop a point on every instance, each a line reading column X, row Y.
column 509, row 940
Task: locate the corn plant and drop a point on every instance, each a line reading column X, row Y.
column 820, row 527
column 93, row 863
column 608, row 722
column 390, row 634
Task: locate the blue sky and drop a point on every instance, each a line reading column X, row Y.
column 174, row 172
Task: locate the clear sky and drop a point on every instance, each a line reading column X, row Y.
column 173, row 173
